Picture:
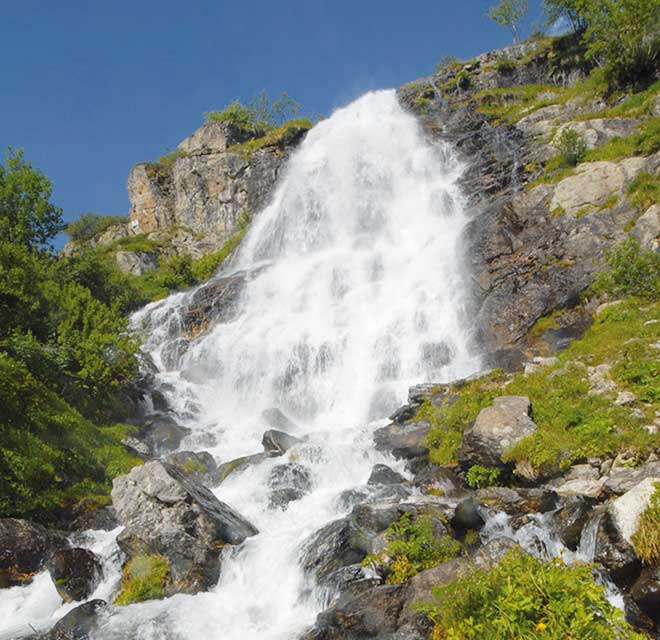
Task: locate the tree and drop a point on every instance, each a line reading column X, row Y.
column 509, row 13
column 90, row 225
column 260, row 114
column 27, row 217
column 571, row 10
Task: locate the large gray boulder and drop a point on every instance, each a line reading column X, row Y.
column 405, row 440
column 496, row 430
column 75, row 573
column 163, row 512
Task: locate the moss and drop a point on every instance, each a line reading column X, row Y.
column 278, row 137
column 193, row 466
column 144, row 578
column 646, row 540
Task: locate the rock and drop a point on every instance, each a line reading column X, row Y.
column 75, row 572
column 137, row 447
column 539, row 363
column 647, row 229
column 166, row 513
column 278, row 420
column 615, row 554
column 433, row 478
column 623, row 478
column 288, row 482
column 625, row 397
column 646, row 592
column 406, row 440
column 569, row 520
column 277, row 443
column 214, row 137
column 467, row 516
column 493, row 551
column 24, row 549
column 600, row 381
column 163, row 434
column 382, row 474
column 627, row 509
column 517, row 501
column 136, row 263
column 238, row 464
column 103, row 519
column 598, row 131
column 199, row 466
column 79, row 623
column 586, row 488
column 496, row 429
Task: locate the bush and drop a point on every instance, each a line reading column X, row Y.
column 524, row 597
column 505, row 65
column 630, row 271
column 144, row 578
column 90, row 225
column 463, row 79
column 646, row 539
column 571, row 147
column 412, row 547
column 479, row 477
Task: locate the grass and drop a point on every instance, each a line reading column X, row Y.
column 277, row 137
column 644, row 191
column 513, row 103
column 144, row 578
column 646, row 539
column 161, row 168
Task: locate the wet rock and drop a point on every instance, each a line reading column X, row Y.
column 75, row 572
column 166, row 513
column 493, row 551
column 382, row 474
column 517, row 501
column 78, row 624
column 24, row 549
column 103, row 519
column 467, row 516
column 163, row 434
column 496, row 429
column 646, row 592
column 199, row 466
column 227, row 468
column 406, row 440
column 569, row 520
column 627, row 509
column 288, row 482
column 277, row 443
column 432, row 478
column 615, row 554
column 278, row 420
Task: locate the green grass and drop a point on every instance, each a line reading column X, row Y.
column 277, row 137
column 644, row 191
column 161, row 168
column 144, row 578
column 646, row 539
column 513, row 103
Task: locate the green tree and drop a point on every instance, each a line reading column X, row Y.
column 90, row 225
column 509, row 13
column 259, row 115
column 571, row 10
column 27, row 217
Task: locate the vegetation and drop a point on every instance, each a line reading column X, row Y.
column 144, row 578
column 90, row 225
column 571, row 147
column 646, row 539
column 412, row 547
column 524, row 597
column 276, row 137
column 161, row 169
column 509, row 13
column 644, row 191
column 479, row 477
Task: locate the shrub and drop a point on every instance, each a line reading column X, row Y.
column 161, row 169
column 479, row 477
column 524, row 597
column 144, row 578
column 412, row 547
column 463, row 79
column 505, row 65
column 646, row 539
column 631, row 270
column 90, row 225
column 571, row 147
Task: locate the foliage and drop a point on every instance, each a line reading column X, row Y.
column 509, row 13
column 161, row 169
column 27, row 217
column 448, row 64
column 644, row 191
column 524, row 597
column 90, row 225
column 645, row 142
column 144, row 578
column 276, row 137
column 505, row 65
column 259, row 115
column 571, row 10
column 412, row 547
column 571, row 147
column 631, row 271
column 463, row 79
column 646, row 539
column 479, row 477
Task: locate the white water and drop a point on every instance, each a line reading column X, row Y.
column 362, row 295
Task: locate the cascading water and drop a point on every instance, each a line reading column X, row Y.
column 358, row 292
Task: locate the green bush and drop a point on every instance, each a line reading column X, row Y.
column 479, row 477
column 505, row 65
column 276, row 137
column 144, row 578
column 90, row 225
column 524, row 597
column 463, row 79
column 160, row 169
column 646, row 539
column 412, row 547
column 571, row 147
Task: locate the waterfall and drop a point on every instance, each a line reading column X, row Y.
column 357, row 293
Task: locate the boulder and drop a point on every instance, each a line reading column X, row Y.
column 598, row 131
column 277, row 443
column 276, row 419
column 569, row 520
column 406, row 440
column 199, row 466
column 646, row 592
column 24, row 549
column 615, row 554
column 79, row 623
column 227, row 468
column 136, row 263
column 288, row 482
column 75, row 572
column 382, row 474
column 627, row 509
column 496, row 430
column 93, row 517
column 647, row 228
column 163, row 512
column 517, row 501
column 162, row 434
column 624, row 478
column 467, row 516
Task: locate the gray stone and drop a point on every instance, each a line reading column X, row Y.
column 78, row 624
column 136, row 263
column 277, row 443
column 382, row 474
column 75, row 572
column 199, row 466
column 407, row 440
column 162, row 434
column 647, row 229
column 288, row 482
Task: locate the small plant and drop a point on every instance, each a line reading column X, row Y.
column 412, row 547
column 644, row 191
column 505, row 65
column 463, row 79
column 448, row 64
column 479, row 477
column 144, row 578
column 90, row 225
column 524, row 597
column 571, row 147
column 646, row 539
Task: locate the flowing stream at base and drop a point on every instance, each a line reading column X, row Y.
column 358, row 293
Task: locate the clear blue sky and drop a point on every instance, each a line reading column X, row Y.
column 90, row 88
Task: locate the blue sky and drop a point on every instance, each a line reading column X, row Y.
column 91, row 88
